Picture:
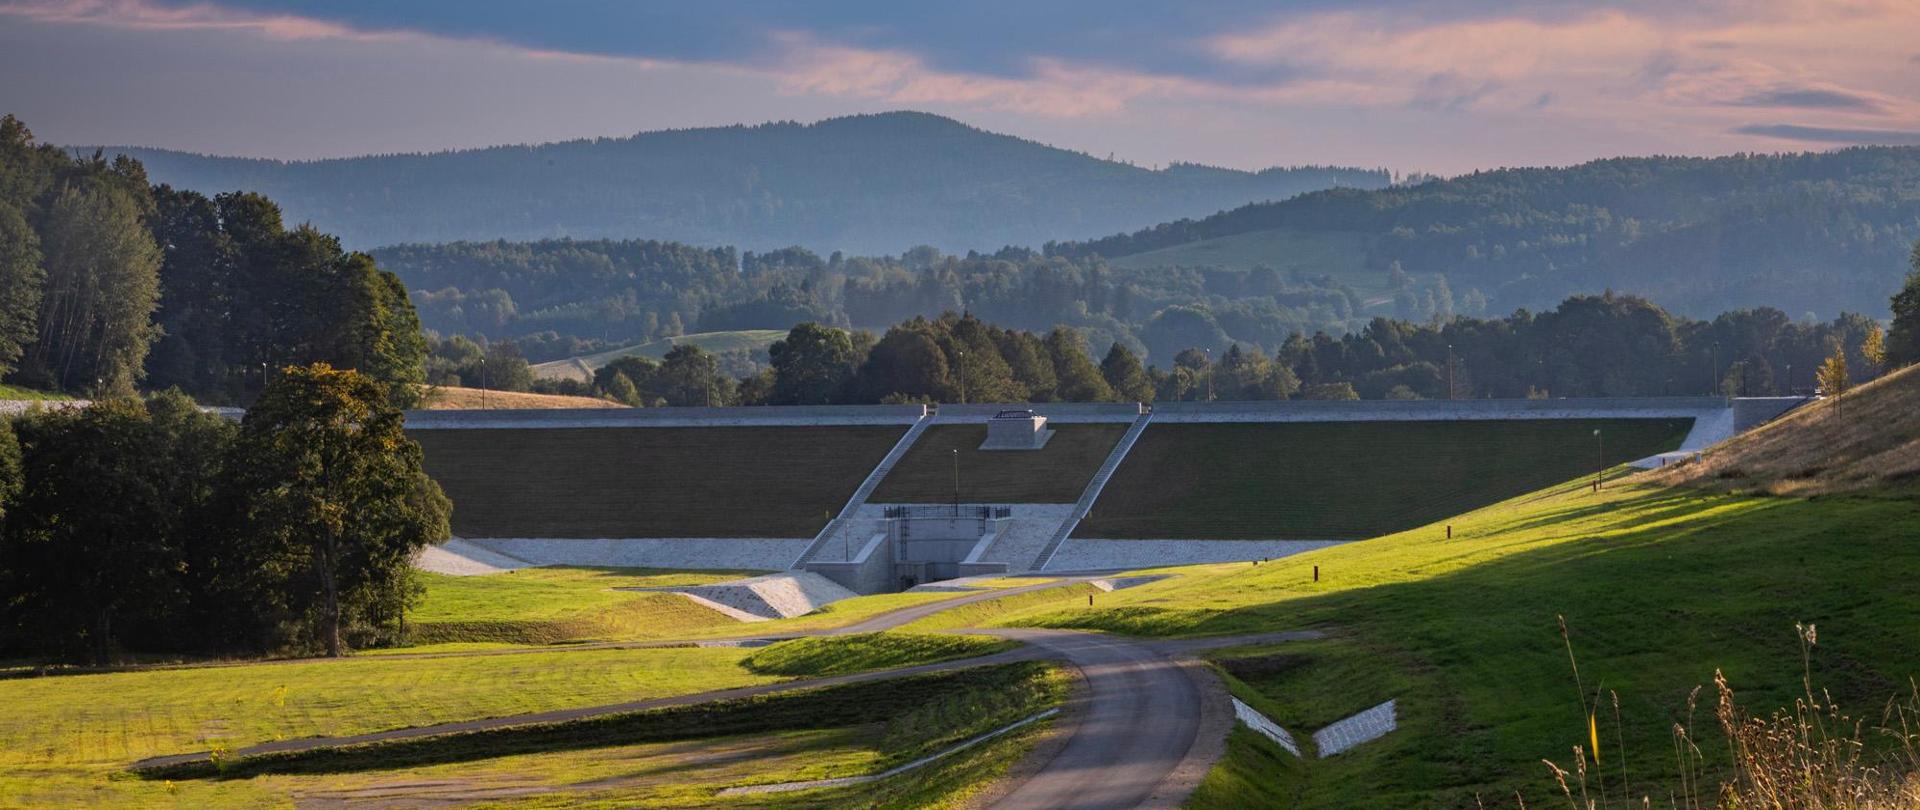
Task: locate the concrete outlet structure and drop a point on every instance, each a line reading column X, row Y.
column 1016, row 430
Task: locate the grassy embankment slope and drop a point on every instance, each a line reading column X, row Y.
column 1056, row 473
column 561, row 605
column 582, row 368
column 647, row 482
column 70, row 735
column 1348, row 480
column 1661, row 585
column 445, row 398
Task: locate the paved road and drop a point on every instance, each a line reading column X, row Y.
column 1142, row 714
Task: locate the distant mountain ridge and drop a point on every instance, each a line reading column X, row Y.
column 1817, row 232
column 875, row 184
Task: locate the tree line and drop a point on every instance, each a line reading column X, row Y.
column 151, row 526
column 1589, row 346
column 109, row 284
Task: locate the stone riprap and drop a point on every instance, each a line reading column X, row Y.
column 770, row 596
column 1264, row 727
column 1366, row 726
column 462, row 558
column 722, row 553
column 1080, row 554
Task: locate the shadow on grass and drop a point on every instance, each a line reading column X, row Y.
column 1013, row 685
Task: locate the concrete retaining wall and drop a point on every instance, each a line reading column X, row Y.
column 727, row 554
column 1438, row 410
column 758, row 416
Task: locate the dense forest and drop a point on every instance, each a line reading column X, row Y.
column 871, row 184
column 153, row 526
column 1589, row 346
column 1820, row 232
column 561, row 298
column 108, row 284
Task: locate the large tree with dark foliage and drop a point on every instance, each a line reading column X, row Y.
column 1903, row 340
column 333, row 492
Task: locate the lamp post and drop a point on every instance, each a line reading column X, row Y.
column 1451, row 395
column 1210, row 371
column 1599, row 458
column 962, row 373
column 483, row 382
column 956, row 481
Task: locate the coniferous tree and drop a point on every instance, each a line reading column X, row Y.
column 1121, row 369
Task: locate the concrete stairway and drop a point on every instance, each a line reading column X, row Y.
column 1092, row 492
column 851, row 510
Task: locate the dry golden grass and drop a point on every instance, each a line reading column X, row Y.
column 1868, row 439
column 442, row 398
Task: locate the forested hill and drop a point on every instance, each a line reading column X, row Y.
column 1819, row 232
column 865, row 184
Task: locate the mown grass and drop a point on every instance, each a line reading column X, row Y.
column 1348, row 480
column 912, row 716
column 1660, row 587
column 778, row 482
column 838, row 655
column 1056, row 473
column 62, row 738
column 1005, row 608
column 561, row 605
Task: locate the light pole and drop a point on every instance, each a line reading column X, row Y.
column 1599, row 458
column 956, row 481
column 483, row 382
column 1450, row 389
column 962, row 373
column 1210, row 370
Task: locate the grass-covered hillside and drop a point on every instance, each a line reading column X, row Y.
column 647, row 482
column 1867, row 440
column 1348, row 480
column 1660, row 587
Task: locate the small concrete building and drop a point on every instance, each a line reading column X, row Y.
column 1016, row 430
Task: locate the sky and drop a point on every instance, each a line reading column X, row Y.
column 1442, row 86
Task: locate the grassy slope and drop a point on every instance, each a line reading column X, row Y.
column 15, row 392
column 62, row 737
column 644, row 482
column 1347, row 480
column 1867, row 439
column 1661, row 586
column 558, row 605
column 838, row 655
column 618, row 760
column 1056, row 473
column 446, row 398
column 581, row 368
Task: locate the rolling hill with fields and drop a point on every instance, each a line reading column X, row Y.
column 870, row 184
column 1815, row 232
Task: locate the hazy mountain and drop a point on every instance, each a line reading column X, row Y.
column 1815, row 232
column 865, row 184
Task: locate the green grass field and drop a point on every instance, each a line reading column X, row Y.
column 647, row 482
column 1056, row 473
column 629, row 760
column 1347, row 480
column 1660, row 587
column 15, row 392
column 561, row 605
column 581, row 368
column 63, row 738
